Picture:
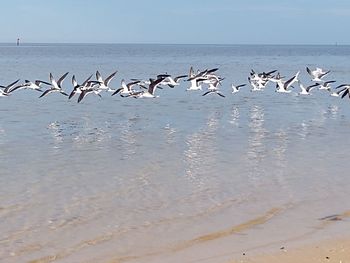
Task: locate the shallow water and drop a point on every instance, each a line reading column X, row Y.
column 155, row 180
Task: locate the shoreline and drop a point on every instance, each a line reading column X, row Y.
column 327, row 242
column 330, row 250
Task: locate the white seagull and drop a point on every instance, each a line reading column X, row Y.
column 55, row 86
column 235, row 89
column 104, row 83
column 126, row 89
column 213, row 88
column 195, row 84
column 193, row 78
column 345, row 89
column 77, row 89
column 91, row 87
column 256, row 86
column 306, row 90
column 31, row 85
column 326, row 85
column 7, row 89
column 335, row 93
column 317, row 74
column 204, row 75
column 149, row 93
column 283, row 87
column 172, row 82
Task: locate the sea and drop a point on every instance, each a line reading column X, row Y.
column 177, row 178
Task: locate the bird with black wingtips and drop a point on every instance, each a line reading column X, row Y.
column 77, row 89
column 3, row 93
column 7, row 89
column 345, row 90
column 317, row 74
column 126, row 88
column 36, row 85
column 150, row 92
column 306, row 90
column 335, row 93
column 257, row 85
column 283, row 87
column 198, row 75
column 263, row 75
column 236, row 88
column 90, row 88
column 259, row 81
column 201, row 76
column 214, row 88
column 326, row 85
column 55, row 86
column 196, row 84
column 104, row 84
column 172, row 82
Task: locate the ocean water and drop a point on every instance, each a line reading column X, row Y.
column 179, row 178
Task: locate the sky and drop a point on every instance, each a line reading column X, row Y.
column 176, row 22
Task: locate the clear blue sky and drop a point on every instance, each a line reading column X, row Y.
column 177, row 21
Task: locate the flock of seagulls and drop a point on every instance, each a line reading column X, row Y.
column 202, row 80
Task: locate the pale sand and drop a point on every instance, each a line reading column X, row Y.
column 332, row 251
column 328, row 238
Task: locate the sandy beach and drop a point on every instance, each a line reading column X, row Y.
column 326, row 246
column 337, row 251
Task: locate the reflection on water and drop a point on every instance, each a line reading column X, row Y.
column 280, row 149
column 87, row 132
column 256, row 151
column 79, row 132
column 2, row 135
column 280, row 162
column 170, row 134
column 303, row 130
column 56, row 133
column 200, row 154
column 332, row 111
column 128, row 136
column 317, row 124
column 235, row 116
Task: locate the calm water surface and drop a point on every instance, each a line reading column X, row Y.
column 180, row 178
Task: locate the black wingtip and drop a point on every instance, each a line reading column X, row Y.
column 116, row 92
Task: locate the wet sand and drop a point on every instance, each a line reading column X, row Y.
column 327, row 246
column 327, row 241
column 337, row 251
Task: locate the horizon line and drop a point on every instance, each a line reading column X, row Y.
column 155, row 43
